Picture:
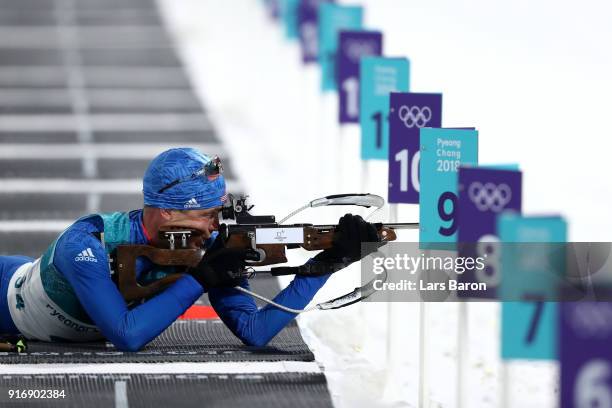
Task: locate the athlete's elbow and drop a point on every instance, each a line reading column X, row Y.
column 254, row 338
column 129, row 343
column 132, row 347
column 254, row 341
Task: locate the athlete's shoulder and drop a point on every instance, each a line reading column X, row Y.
column 93, row 223
column 88, row 223
column 85, row 230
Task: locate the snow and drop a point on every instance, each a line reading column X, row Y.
column 533, row 77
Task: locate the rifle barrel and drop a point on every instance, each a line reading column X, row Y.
column 396, row 225
column 401, row 225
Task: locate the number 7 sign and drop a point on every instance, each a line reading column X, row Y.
column 408, row 113
column 529, row 328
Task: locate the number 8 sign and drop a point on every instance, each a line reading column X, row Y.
column 408, row 113
column 484, row 193
column 443, row 151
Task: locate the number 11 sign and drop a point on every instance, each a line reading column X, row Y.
column 379, row 77
column 408, row 113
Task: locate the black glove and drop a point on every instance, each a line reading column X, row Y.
column 352, row 230
column 220, row 267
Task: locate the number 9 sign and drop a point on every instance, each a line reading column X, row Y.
column 442, row 152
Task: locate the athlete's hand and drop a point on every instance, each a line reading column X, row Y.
column 352, row 230
column 220, row 266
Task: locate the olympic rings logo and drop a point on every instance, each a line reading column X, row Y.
column 590, row 320
column 357, row 49
column 414, row 116
column 490, row 196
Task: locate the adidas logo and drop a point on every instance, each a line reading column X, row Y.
column 193, row 203
column 86, row 256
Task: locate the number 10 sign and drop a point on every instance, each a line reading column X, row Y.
column 408, row 113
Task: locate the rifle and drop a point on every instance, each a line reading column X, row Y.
column 268, row 239
column 13, row 344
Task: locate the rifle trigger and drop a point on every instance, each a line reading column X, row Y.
column 254, row 256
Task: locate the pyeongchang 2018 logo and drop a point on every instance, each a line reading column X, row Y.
column 281, row 236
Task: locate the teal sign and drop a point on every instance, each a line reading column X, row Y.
column 529, row 330
column 289, row 13
column 443, row 151
column 379, row 77
column 334, row 18
column 530, row 271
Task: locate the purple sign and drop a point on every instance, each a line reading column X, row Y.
column 585, row 354
column 484, row 193
column 353, row 45
column 409, row 112
column 273, row 7
column 308, row 27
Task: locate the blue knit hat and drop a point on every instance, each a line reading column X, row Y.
column 176, row 179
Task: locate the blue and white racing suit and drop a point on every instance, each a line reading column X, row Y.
column 68, row 294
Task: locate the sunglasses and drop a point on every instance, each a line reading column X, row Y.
column 211, row 169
